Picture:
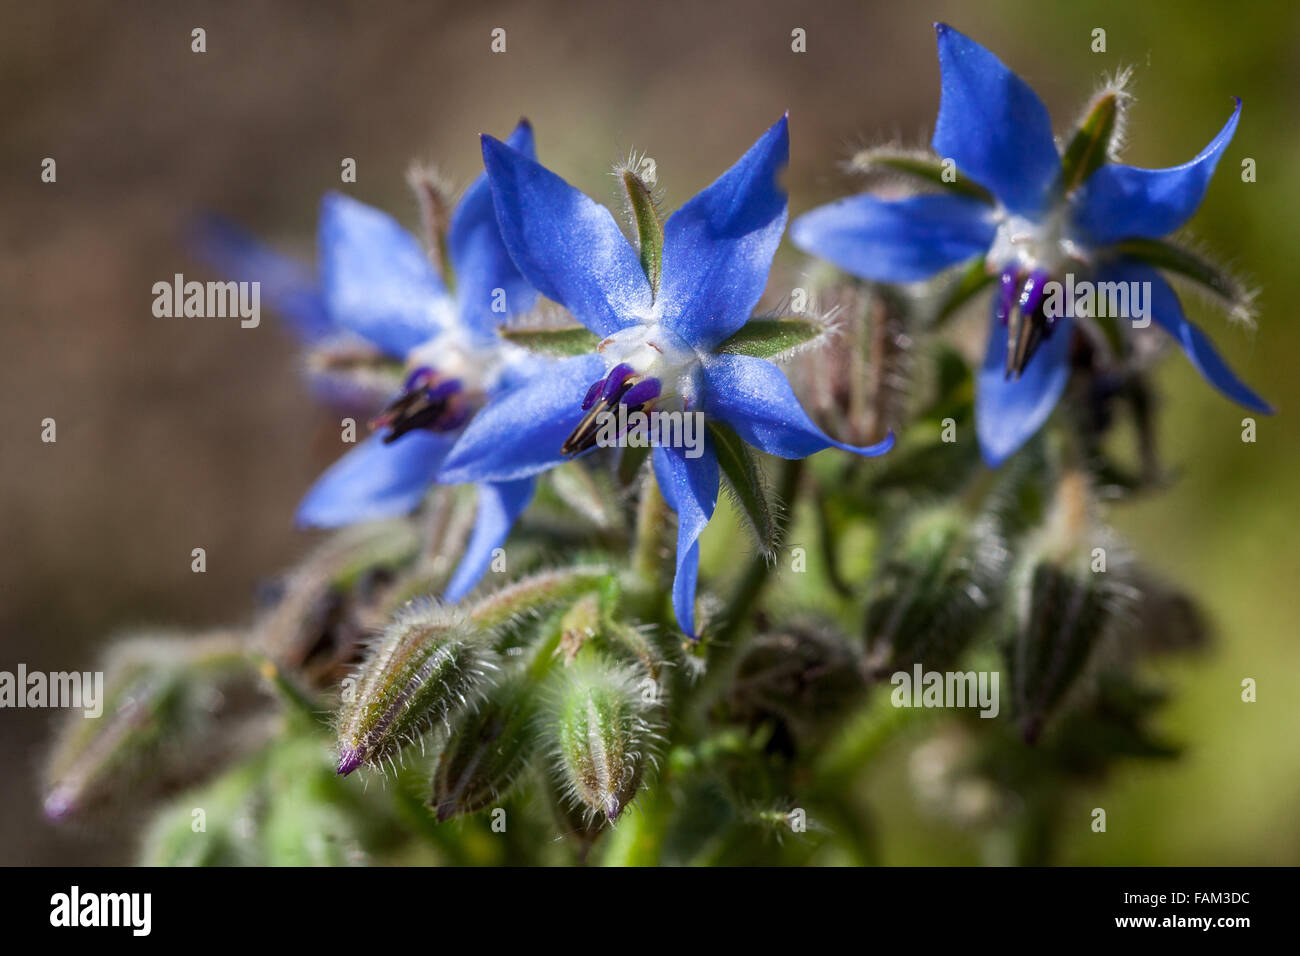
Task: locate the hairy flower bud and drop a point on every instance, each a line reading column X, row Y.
column 801, row 679
column 602, row 735
column 1071, row 592
column 429, row 662
column 316, row 623
column 174, row 709
column 532, row 593
column 933, row 592
column 487, row 749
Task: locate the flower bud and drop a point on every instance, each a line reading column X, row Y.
column 602, row 735
column 532, row 593
column 429, row 662
column 1070, row 593
column 174, row 709
column 932, row 594
column 487, row 749
column 801, row 679
column 315, row 626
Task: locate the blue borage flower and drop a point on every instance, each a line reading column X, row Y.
column 659, row 347
column 378, row 285
column 1035, row 228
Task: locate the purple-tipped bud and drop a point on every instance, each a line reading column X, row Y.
column 430, row 662
column 600, row 725
column 350, row 758
column 156, row 705
column 57, row 806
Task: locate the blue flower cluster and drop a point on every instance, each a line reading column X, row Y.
column 477, row 409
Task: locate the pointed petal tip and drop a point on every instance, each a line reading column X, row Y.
column 993, row 459
column 349, row 759
column 885, row 444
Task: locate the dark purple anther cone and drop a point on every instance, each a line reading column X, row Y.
column 615, row 379
column 444, row 390
column 349, row 760
column 417, row 378
column 592, row 394
column 642, row 392
column 1006, row 295
column 453, row 419
column 1032, row 296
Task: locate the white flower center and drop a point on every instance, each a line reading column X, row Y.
column 652, row 351
column 1025, row 245
column 451, row 355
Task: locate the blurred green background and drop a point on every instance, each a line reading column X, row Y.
column 181, row 434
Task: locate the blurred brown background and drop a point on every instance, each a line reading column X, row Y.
column 183, row 433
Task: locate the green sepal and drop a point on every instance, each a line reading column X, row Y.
column 746, row 480
column 1090, row 145
column 972, row 280
column 649, row 229
column 919, row 165
column 535, row 592
column 1174, row 258
column 569, row 340
column 486, row 751
column 769, row 338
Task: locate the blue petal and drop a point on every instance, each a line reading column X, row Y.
column 690, row 487
column 899, row 241
column 993, row 126
column 377, row 280
column 1167, row 312
column 566, row 245
column 287, row 286
column 479, row 257
column 754, row 397
column 1120, row 202
column 1009, row 411
column 519, row 432
column 375, row 481
column 499, row 507
column 718, row 247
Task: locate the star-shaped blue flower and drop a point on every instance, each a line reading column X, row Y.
column 377, row 284
column 998, row 133
column 659, row 348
